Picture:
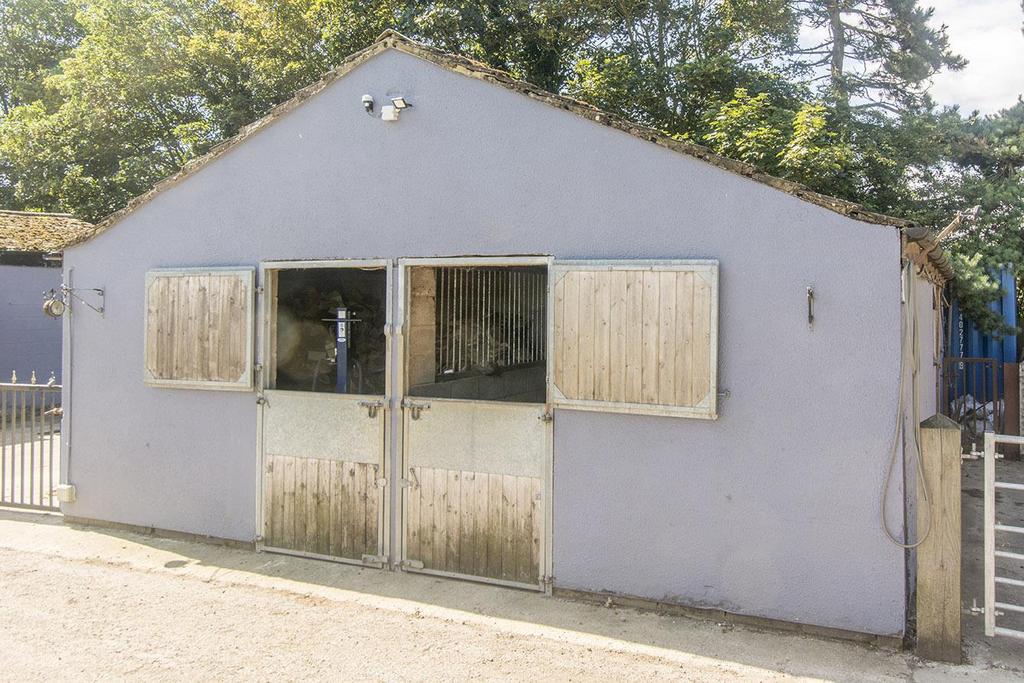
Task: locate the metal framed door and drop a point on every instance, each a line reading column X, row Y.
column 323, row 455
column 476, row 474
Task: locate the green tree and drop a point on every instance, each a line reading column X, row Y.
column 672, row 63
column 983, row 167
column 873, row 54
column 155, row 83
column 536, row 40
column 34, row 36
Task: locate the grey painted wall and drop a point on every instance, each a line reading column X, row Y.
column 29, row 339
column 770, row 510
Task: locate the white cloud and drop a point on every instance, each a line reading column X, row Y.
column 988, row 34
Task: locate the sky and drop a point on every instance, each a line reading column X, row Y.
column 988, row 34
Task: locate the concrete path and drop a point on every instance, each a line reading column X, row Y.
column 86, row 603
column 998, row 651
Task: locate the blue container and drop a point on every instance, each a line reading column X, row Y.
column 967, row 341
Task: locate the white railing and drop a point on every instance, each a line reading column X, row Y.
column 30, row 417
column 993, row 608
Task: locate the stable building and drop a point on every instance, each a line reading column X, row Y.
column 426, row 317
column 30, row 261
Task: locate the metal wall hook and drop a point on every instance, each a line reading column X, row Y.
column 56, row 303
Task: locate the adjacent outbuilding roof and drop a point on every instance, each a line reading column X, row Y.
column 392, row 40
column 30, row 231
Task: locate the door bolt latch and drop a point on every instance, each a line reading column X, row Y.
column 372, row 407
column 415, row 409
column 413, row 482
column 546, row 416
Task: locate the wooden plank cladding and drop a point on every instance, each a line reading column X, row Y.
column 199, row 328
column 477, row 524
column 323, row 507
column 635, row 337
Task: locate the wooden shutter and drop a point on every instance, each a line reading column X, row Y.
column 636, row 336
column 199, row 326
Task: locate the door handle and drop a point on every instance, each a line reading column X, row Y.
column 414, row 408
column 372, row 407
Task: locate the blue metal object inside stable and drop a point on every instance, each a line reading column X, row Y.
column 341, row 322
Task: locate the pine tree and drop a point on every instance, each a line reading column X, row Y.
column 873, row 54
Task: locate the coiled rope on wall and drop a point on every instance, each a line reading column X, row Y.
column 907, row 328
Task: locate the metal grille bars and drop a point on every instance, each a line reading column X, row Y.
column 489, row 318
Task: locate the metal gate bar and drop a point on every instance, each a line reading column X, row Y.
column 991, row 527
column 970, row 385
column 489, row 317
column 29, row 445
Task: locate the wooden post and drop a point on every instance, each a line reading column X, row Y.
column 1011, row 407
column 938, row 558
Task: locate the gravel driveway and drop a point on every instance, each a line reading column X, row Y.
column 82, row 603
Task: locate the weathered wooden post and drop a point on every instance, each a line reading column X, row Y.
column 938, row 558
column 1011, row 407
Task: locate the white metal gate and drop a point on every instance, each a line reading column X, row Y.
column 994, row 607
column 29, row 445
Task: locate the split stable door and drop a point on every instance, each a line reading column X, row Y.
column 476, row 429
column 489, row 346
column 323, row 409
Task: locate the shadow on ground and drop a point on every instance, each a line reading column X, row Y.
column 515, row 611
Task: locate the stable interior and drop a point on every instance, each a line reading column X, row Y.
column 478, row 333
column 324, row 319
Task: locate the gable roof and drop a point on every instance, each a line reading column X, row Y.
column 392, row 40
column 40, row 232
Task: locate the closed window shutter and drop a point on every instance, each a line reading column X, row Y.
column 636, row 336
column 199, row 326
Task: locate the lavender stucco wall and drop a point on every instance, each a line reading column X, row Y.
column 770, row 510
column 29, row 339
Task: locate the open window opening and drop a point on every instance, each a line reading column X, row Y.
column 327, row 330
column 478, row 333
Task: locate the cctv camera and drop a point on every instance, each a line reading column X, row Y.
column 368, row 103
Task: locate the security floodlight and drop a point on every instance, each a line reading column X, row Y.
column 400, row 102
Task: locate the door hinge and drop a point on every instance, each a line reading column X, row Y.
column 374, row 559
column 410, row 564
